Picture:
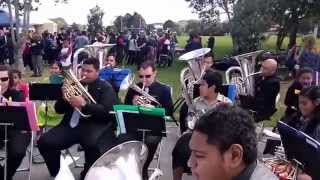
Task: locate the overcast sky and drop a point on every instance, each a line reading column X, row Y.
column 152, row 10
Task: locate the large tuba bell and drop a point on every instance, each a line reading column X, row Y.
column 73, row 87
column 123, row 162
column 190, row 76
column 99, row 51
column 243, row 76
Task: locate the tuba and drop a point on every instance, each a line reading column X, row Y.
column 99, row 51
column 145, row 97
column 73, row 87
column 243, row 76
column 190, row 76
column 123, row 162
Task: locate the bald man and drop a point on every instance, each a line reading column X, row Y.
column 267, row 87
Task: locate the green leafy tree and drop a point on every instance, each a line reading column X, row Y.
column 95, row 24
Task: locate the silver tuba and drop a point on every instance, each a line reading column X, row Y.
column 243, row 76
column 123, row 162
column 190, row 76
column 99, row 51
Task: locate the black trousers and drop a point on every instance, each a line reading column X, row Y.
column 16, row 149
column 181, row 153
column 95, row 138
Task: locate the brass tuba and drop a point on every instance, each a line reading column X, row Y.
column 191, row 76
column 243, row 76
column 123, row 162
column 73, row 87
column 99, row 51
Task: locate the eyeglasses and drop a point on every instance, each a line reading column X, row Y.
column 144, row 76
column 4, row 79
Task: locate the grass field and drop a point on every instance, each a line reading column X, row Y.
column 223, row 47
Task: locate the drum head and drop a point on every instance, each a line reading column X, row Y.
column 194, row 54
column 123, row 162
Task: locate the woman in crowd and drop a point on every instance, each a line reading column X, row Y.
column 303, row 79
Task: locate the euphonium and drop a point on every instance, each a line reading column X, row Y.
column 243, row 76
column 72, row 87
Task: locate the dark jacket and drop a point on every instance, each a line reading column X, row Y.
column 103, row 93
column 292, row 97
column 36, row 47
column 159, row 91
column 264, row 101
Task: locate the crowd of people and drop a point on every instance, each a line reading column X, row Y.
column 221, row 143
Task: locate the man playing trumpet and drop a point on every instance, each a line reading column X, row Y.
column 162, row 94
column 93, row 133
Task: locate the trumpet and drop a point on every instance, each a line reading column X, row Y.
column 72, row 87
column 145, row 98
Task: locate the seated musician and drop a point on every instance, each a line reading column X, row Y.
column 208, row 62
column 162, row 93
column 267, row 87
column 224, row 146
column 93, row 132
column 308, row 119
column 112, row 74
column 18, row 140
column 210, row 97
column 55, row 73
column 303, row 79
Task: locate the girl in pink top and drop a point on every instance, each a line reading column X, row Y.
column 15, row 82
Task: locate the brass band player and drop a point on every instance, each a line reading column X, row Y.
column 93, row 133
column 18, row 140
column 266, row 88
column 210, row 97
column 162, row 93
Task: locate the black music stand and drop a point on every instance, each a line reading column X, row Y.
column 45, row 92
column 137, row 123
column 301, row 149
column 17, row 117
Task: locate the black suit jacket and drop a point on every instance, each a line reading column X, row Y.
column 264, row 101
column 103, row 93
column 159, row 91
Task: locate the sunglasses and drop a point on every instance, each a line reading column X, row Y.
column 4, row 79
column 145, row 76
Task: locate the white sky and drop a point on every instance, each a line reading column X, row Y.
column 152, row 10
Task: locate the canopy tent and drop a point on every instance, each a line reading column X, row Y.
column 5, row 19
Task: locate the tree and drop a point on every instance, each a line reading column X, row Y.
column 95, row 24
column 289, row 14
column 123, row 23
column 251, row 21
column 171, row 25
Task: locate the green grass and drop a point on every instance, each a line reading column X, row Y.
column 223, row 47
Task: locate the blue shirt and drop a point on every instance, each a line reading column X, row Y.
column 114, row 76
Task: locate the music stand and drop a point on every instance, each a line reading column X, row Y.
column 301, row 148
column 17, row 117
column 134, row 120
column 45, row 92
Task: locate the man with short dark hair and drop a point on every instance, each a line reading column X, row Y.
column 112, row 74
column 224, row 147
column 162, row 93
column 94, row 133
